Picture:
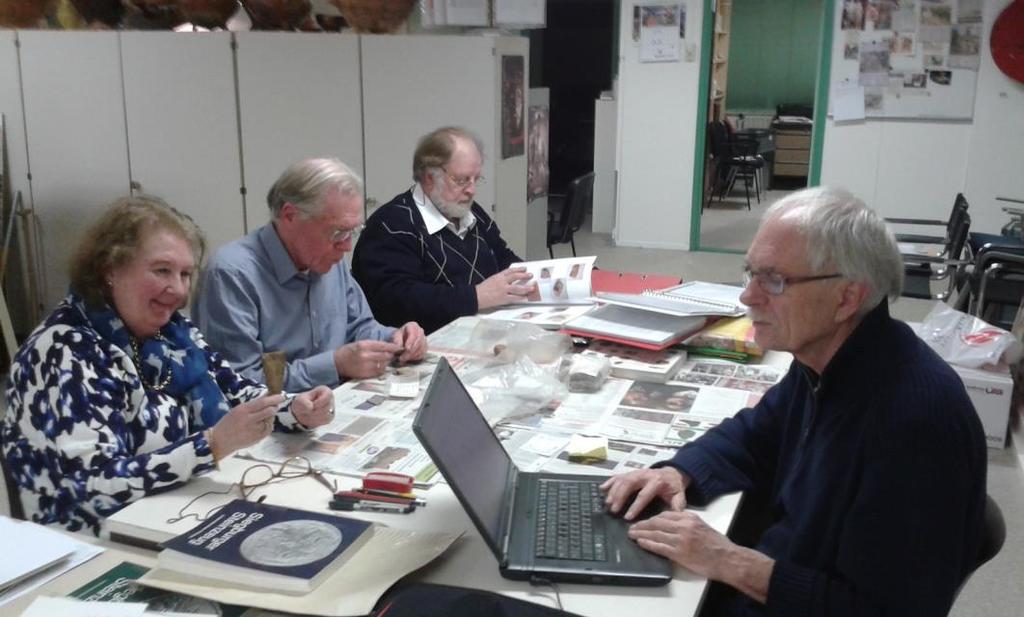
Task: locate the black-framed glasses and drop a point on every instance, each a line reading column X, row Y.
column 464, row 181
column 773, row 283
column 255, row 477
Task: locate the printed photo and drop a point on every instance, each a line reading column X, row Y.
column 935, row 14
column 537, row 171
column 851, row 45
column 874, row 101
column 853, row 15
column 697, row 379
column 915, row 80
column 558, row 290
column 965, row 40
column 941, row 78
column 513, row 100
column 386, row 457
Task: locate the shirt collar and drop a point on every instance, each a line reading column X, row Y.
column 434, row 220
column 280, row 260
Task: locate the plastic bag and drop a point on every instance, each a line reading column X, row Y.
column 965, row 340
column 585, row 371
column 520, row 380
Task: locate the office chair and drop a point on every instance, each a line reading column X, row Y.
column 992, row 538
column 960, row 206
column 744, row 163
column 575, row 204
column 994, row 286
column 947, row 264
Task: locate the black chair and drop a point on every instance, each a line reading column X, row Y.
column 743, row 162
column 992, row 538
column 578, row 199
column 960, row 206
column 947, row 263
column 994, row 286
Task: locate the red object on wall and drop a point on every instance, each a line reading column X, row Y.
column 1007, row 41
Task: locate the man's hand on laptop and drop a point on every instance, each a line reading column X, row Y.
column 665, row 483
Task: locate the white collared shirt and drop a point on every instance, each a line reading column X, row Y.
column 434, row 220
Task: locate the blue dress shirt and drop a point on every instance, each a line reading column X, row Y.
column 252, row 300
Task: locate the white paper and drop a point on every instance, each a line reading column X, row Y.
column 44, row 606
column 21, row 540
column 848, row 102
column 465, row 12
column 659, row 33
column 520, row 12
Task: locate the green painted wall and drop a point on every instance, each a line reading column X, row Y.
column 773, row 53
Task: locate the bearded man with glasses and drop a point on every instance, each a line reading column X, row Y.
column 432, row 254
column 869, row 453
column 284, row 288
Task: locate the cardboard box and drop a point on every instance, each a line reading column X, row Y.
column 990, row 391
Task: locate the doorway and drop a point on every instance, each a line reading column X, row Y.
column 765, row 64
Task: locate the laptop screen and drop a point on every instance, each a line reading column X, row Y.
column 463, row 446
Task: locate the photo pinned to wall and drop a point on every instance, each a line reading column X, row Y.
column 968, row 12
column 874, row 62
column 915, row 80
column 874, row 101
column 936, row 14
column 934, row 39
column 904, row 16
column 934, row 61
column 659, row 33
column 965, row 47
column 537, row 171
column 941, row 78
column 851, row 44
column 853, row 15
column 878, row 15
column 513, row 101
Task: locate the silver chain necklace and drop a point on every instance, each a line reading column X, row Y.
column 138, row 365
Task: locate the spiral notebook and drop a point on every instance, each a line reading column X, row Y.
column 693, row 298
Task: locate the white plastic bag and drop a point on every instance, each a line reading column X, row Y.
column 965, row 340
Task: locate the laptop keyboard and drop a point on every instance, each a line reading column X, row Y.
column 567, row 527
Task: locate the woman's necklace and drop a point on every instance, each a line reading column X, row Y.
column 138, row 365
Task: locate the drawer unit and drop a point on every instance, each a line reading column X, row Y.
column 792, row 152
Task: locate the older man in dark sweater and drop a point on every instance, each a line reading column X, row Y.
column 871, row 455
column 432, row 254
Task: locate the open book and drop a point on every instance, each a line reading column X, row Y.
column 693, row 298
column 560, row 281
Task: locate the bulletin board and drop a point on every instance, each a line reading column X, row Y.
column 910, row 58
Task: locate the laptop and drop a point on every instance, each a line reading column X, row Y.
column 577, row 541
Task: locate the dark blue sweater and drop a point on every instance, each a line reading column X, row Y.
column 409, row 275
column 875, row 473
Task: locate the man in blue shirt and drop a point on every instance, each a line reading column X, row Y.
column 284, row 287
column 869, row 450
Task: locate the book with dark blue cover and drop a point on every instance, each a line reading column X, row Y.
column 265, row 547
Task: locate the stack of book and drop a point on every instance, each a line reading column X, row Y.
column 732, row 339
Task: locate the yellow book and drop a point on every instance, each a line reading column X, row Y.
column 736, row 334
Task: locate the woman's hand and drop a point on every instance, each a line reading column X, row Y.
column 314, row 407
column 244, row 425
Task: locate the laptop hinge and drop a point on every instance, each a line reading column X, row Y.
column 506, row 525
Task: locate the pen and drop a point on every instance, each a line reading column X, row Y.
column 407, row 496
column 361, row 506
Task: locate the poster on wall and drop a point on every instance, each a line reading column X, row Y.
column 513, row 100
column 911, row 58
column 537, row 172
column 659, row 33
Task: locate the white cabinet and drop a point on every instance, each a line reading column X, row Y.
column 77, row 153
column 209, row 128
column 299, row 96
column 183, row 126
column 413, row 84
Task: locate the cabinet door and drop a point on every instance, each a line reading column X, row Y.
column 299, row 96
column 77, row 154
column 182, row 126
column 415, row 84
